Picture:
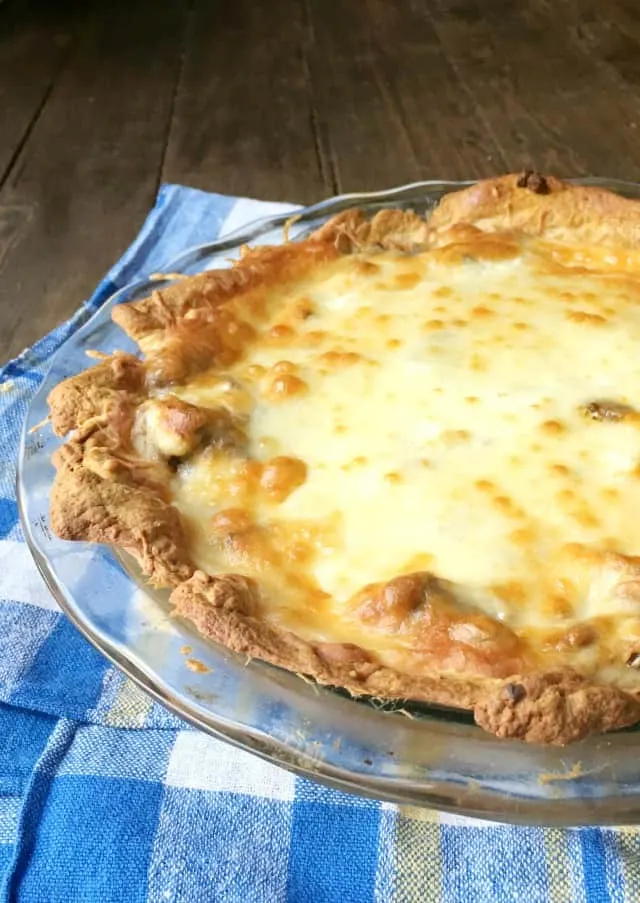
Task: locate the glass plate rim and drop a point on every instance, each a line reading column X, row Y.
column 262, row 744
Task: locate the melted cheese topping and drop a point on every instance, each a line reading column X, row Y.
column 474, row 420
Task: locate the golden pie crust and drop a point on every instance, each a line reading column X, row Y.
column 112, row 488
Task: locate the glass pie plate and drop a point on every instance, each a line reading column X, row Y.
column 411, row 754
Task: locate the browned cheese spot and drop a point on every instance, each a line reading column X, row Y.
column 560, row 470
column 340, row 358
column 281, row 476
column 245, row 476
column 249, row 549
column 455, row 636
column 506, row 505
column 577, row 637
column 453, row 437
column 312, row 338
column 512, row 592
column 406, row 280
column 524, row 536
column 284, row 387
column 387, row 605
column 366, row 267
column 181, row 420
column 552, row 427
column 280, row 334
column 585, row 517
column 585, row 318
column 230, row 520
column 303, row 308
column 559, row 599
column 284, row 367
column 482, row 312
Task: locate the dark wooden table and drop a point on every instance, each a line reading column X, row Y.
column 282, row 99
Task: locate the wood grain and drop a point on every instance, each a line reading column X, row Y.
column 294, row 99
column 391, row 102
column 549, row 105
column 244, row 119
column 33, row 48
column 607, row 31
column 89, row 171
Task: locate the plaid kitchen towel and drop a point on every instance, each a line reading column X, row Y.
column 105, row 797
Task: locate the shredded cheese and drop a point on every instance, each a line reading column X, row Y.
column 438, row 415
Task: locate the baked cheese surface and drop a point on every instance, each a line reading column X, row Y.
column 470, row 417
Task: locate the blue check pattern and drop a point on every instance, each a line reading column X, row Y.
column 105, row 797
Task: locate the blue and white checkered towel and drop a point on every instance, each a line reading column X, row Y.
column 105, row 797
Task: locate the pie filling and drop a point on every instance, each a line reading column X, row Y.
column 434, row 456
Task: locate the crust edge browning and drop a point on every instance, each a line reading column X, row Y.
column 543, row 206
column 553, row 708
column 99, row 504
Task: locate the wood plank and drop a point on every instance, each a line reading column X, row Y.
column 608, row 32
column 290, row 100
column 391, row 103
column 14, row 222
column 552, row 106
column 89, row 172
column 243, row 120
column 33, row 47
